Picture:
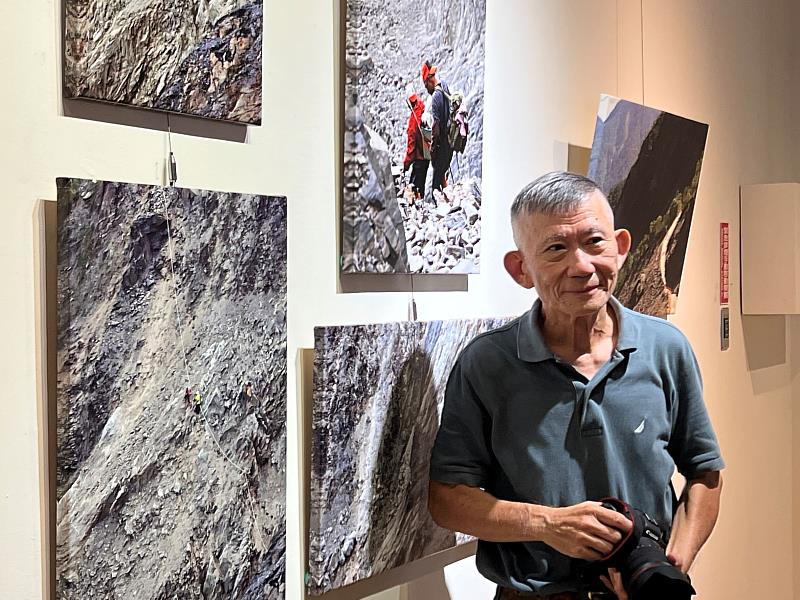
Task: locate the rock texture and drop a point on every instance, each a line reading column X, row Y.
column 444, row 237
column 648, row 162
column 161, row 289
column 196, row 57
column 384, row 50
column 378, row 393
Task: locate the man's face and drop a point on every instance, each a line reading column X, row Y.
column 572, row 260
column 430, row 84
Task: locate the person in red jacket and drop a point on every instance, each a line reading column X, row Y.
column 418, row 149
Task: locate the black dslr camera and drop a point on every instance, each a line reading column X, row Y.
column 641, row 559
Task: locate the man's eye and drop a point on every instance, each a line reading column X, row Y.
column 555, row 247
column 596, row 240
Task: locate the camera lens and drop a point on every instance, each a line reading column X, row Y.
column 646, row 572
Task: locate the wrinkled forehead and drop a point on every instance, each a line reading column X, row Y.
column 592, row 213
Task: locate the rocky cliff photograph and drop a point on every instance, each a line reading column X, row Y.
column 647, row 162
column 378, row 395
column 413, row 136
column 171, row 393
column 197, row 57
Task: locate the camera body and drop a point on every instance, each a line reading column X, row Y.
column 640, row 557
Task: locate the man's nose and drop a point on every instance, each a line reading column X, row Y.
column 581, row 264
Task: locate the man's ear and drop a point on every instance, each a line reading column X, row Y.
column 514, row 265
column 623, row 237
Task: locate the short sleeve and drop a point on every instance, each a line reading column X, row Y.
column 461, row 453
column 693, row 444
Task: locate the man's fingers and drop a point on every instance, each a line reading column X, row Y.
column 590, row 553
column 609, row 535
column 600, row 547
column 614, row 519
column 614, row 582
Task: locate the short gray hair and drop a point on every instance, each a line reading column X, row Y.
column 555, row 193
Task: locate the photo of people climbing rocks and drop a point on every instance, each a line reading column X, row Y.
column 413, row 136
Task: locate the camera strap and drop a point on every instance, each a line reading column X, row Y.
column 625, row 510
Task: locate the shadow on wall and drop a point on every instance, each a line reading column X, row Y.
column 765, row 347
column 353, row 283
column 764, row 340
column 794, row 340
column 107, row 112
column 45, row 230
column 424, row 579
column 430, row 587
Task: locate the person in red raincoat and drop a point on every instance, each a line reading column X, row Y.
column 415, row 151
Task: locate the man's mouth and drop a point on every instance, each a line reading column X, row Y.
column 585, row 290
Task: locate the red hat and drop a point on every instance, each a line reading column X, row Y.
column 413, row 99
column 428, row 71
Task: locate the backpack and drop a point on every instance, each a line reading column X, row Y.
column 457, row 126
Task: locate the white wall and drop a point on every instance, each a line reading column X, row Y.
column 724, row 62
column 729, row 67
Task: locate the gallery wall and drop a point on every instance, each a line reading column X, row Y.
column 728, row 67
column 725, row 63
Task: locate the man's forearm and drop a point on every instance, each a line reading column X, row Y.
column 586, row 530
column 476, row 512
column 695, row 518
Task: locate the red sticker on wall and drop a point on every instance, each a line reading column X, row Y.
column 724, row 247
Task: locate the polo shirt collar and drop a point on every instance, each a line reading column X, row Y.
column 531, row 346
column 626, row 339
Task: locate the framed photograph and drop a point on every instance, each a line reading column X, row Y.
column 197, row 58
column 171, row 393
column 413, row 136
column 378, row 396
column 647, row 162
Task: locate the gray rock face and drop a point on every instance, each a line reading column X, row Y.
column 161, row 289
column 385, row 49
column 378, row 394
column 196, row 57
column 374, row 240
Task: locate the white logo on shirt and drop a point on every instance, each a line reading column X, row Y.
column 640, row 428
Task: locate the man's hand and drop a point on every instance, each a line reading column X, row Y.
column 614, row 583
column 587, row 530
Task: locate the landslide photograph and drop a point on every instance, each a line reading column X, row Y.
column 171, row 393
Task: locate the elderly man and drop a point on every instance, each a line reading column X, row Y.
column 577, row 400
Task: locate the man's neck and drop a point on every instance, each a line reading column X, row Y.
column 571, row 337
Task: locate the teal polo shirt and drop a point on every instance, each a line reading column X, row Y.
column 527, row 427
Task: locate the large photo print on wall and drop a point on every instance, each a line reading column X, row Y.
column 201, row 58
column 413, row 136
column 647, row 162
column 171, row 393
column 378, row 396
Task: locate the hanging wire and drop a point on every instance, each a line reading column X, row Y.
column 412, row 304
column 171, row 162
